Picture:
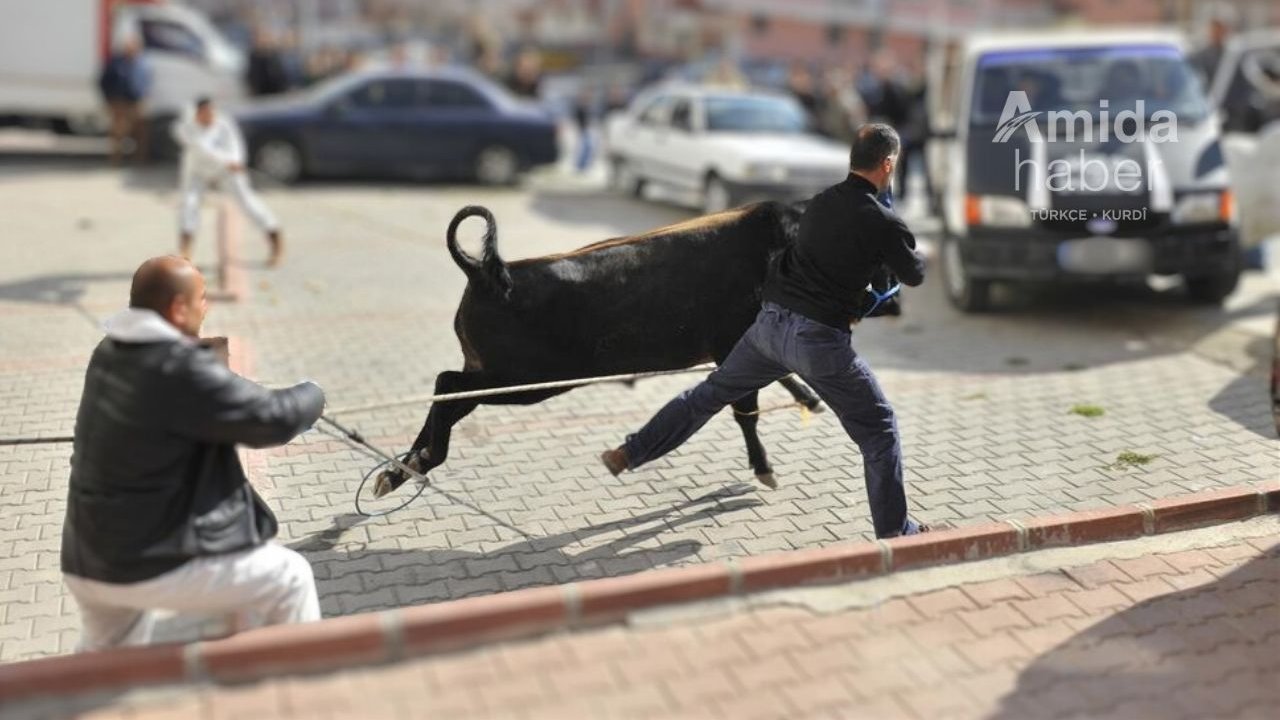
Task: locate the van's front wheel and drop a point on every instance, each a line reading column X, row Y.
column 966, row 293
column 1212, row 289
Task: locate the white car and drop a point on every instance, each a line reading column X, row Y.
column 723, row 146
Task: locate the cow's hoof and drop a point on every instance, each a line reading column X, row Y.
column 386, row 483
column 817, row 407
column 767, row 480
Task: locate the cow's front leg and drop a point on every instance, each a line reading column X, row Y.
column 431, row 448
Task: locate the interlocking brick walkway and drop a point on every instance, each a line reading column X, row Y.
column 1154, row 628
column 364, row 305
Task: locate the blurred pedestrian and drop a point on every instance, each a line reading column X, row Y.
column 583, row 116
column 915, row 134
column 213, row 152
column 811, row 295
column 1222, row 23
column 160, row 514
column 842, row 111
column 125, row 83
column 266, row 74
column 526, row 76
column 890, row 102
column 727, row 74
column 801, row 85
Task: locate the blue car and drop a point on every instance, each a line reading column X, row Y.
column 450, row 123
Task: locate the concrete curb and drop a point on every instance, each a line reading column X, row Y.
column 395, row 634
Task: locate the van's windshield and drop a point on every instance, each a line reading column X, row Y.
column 1078, row 79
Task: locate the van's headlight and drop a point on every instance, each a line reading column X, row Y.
column 996, row 211
column 767, row 172
column 1204, row 207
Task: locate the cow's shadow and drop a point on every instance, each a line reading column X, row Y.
column 418, row 576
column 1207, row 651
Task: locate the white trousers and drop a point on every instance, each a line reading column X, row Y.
column 193, row 188
column 266, row 585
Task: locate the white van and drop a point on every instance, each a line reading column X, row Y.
column 1063, row 156
column 51, row 54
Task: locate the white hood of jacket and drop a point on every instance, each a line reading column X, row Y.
column 136, row 325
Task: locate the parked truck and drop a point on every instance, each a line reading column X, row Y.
column 52, row 52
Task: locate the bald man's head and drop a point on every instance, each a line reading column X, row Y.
column 173, row 288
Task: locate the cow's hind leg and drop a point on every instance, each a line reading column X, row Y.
column 802, row 394
column 746, row 412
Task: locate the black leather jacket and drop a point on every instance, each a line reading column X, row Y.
column 155, row 479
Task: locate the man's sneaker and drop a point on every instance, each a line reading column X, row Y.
column 614, row 460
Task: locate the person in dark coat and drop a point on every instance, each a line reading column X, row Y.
column 847, row 237
column 125, row 83
column 160, row 514
column 267, row 73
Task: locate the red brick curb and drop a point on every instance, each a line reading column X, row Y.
column 391, row 635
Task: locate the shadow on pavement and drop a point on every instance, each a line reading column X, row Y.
column 1250, row 389
column 437, row 575
column 1204, row 652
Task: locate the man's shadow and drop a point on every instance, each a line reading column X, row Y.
column 447, row 574
column 1210, row 651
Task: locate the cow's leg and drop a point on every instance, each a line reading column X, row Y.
column 431, row 448
column 802, row 394
column 746, row 412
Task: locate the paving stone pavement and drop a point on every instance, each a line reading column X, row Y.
column 1181, row 627
column 364, row 306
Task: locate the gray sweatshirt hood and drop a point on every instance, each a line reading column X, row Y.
column 136, row 325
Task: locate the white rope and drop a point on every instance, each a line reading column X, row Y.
column 489, row 392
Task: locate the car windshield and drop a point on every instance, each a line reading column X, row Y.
column 1078, row 80
column 754, row 114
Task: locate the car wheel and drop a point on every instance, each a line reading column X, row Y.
column 280, row 160
column 716, row 196
column 497, row 165
column 1214, row 288
column 966, row 293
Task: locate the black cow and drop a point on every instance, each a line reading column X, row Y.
column 668, row 299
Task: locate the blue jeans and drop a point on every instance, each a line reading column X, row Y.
column 778, row 343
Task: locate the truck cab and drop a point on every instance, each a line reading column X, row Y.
column 1071, row 156
column 51, row 54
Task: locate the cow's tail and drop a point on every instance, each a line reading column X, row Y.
column 489, row 271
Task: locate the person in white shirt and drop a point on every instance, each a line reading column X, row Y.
column 213, row 152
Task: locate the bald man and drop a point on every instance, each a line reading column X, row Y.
column 160, row 514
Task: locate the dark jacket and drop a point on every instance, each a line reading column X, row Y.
column 125, row 78
column 155, row 479
column 846, row 238
column 267, row 74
